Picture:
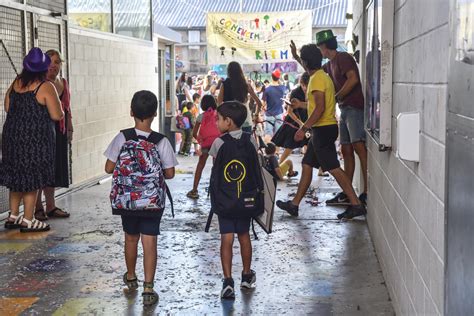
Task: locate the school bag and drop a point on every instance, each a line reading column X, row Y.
column 182, row 122
column 236, row 187
column 208, row 130
column 138, row 182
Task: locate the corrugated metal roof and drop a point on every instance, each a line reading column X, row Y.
column 192, row 13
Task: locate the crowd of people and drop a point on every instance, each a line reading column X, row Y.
column 228, row 119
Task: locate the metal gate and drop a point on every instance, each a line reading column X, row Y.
column 20, row 30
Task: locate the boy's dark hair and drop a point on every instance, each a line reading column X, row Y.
column 208, row 101
column 266, row 81
column 270, row 149
column 275, row 78
column 330, row 44
column 196, row 96
column 189, row 105
column 144, row 104
column 234, row 110
column 311, row 56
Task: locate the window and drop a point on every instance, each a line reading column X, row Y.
column 91, row 14
column 194, row 37
column 133, row 18
column 378, row 77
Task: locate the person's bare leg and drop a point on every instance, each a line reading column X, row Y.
column 49, row 197
column 39, row 202
column 29, row 202
column 245, row 251
column 361, row 152
column 346, row 185
column 227, row 241
column 305, row 182
column 149, row 256
column 286, row 154
column 349, row 160
column 290, row 168
column 131, row 253
column 15, row 201
column 199, row 168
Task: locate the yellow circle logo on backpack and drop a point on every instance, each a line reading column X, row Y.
column 235, row 171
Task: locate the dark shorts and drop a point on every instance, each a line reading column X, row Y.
column 321, row 150
column 136, row 225
column 231, row 225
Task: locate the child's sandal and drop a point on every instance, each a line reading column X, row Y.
column 33, row 226
column 13, row 221
column 149, row 297
column 131, row 284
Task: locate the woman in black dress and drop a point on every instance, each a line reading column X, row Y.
column 28, row 140
column 63, row 139
column 284, row 137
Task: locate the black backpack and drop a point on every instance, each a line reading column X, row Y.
column 236, row 186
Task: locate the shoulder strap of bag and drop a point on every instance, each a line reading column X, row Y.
column 129, row 134
column 209, row 220
column 155, row 138
column 168, row 194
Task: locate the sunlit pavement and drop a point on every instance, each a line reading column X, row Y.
column 310, row 265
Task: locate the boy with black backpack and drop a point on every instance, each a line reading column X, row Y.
column 140, row 160
column 236, row 191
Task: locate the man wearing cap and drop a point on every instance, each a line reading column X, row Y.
column 273, row 104
column 344, row 73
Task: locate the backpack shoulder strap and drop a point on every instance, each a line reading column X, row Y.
column 226, row 137
column 129, row 134
column 168, row 194
column 209, row 220
column 155, row 138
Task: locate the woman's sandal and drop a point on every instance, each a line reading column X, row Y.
column 40, row 215
column 33, row 226
column 294, row 174
column 59, row 213
column 131, row 284
column 13, row 221
column 149, row 297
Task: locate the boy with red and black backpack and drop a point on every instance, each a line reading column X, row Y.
column 205, row 131
column 140, row 160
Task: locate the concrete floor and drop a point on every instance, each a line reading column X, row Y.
column 310, row 265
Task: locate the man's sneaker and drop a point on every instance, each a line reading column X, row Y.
column 353, row 211
column 339, row 199
column 363, row 198
column 228, row 289
column 248, row 280
column 289, row 207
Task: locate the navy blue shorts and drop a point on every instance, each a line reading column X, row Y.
column 136, row 225
column 236, row 226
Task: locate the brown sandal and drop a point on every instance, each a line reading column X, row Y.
column 40, row 215
column 57, row 212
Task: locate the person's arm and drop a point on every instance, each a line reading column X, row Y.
column 169, row 173
column 319, row 99
column 196, row 129
column 294, row 116
column 189, row 97
column 295, row 55
column 51, row 99
column 297, row 104
column 109, row 166
column 254, row 96
column 220, row 97
column 349, row 85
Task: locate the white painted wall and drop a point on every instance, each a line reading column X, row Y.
column 406, row 200
column 105, row 71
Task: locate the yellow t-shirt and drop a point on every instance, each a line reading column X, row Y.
column 320, row 81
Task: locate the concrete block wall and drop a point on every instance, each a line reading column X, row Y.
column 105, row 72
column 406, row 211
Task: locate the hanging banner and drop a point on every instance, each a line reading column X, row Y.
column 256, row 38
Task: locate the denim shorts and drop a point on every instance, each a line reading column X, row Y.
column 351, row 125
column 273, row 124
column 235, row 226
column 136, row 225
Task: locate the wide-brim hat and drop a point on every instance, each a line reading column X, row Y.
column 36, row 60
column 324, row 36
